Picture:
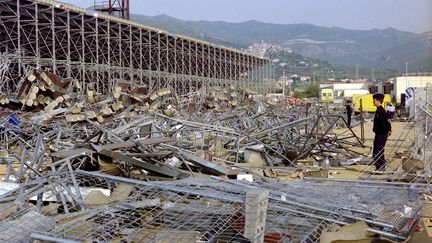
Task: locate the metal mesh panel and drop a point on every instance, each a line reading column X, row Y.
column 194, row 210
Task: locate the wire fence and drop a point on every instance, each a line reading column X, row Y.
column 93, row 207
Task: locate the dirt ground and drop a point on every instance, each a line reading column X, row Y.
column 398, row 145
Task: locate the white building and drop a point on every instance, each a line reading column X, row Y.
column 402, row 83
column 339, row 88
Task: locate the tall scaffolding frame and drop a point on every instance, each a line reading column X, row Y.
column 94, row 47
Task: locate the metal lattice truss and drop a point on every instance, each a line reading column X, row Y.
column 93, row 47
column 85, row 206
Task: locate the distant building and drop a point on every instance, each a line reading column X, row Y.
column 262, row 48
column 402, row 83
column 385, row 87
column 339, row 87
column 397, row 86
column 305, row 78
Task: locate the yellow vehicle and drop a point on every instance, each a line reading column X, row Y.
column 367, row 102
column 327, row 95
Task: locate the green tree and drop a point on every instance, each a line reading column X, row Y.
column 312, row 91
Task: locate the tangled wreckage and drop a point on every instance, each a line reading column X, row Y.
column 220, row 164
column 111, row 131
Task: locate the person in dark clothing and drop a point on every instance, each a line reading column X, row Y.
column 349, row 111
column 382, row 129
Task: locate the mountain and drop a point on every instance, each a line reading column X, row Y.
column 416, row 52
column 178, row 26
column 375, row 48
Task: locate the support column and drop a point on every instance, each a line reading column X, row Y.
column 190, row 65
column 175, row 64
column 83, row 81
column 183, row 72
column 99, row 87
column 159, row 63
column 255, row 215
column 214, row 74
column 230, row 57
column 37, row 48
column 150, row 78
column 203, row 62
column 68, row 70
column 54, row 58
column 141, row 67
column 120, row 55
column 109, row 49
column 244, row 70
column 131, row 67
column 220, row 64
column 225, row 64
column 252, row 66
column 249, row 70
column 236, row 69
column 19, row 38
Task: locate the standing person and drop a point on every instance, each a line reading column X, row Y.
column 382, row 129
column 349, row 111
column 388, row 110
column 392, row 111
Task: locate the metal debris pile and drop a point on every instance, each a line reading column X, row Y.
column 218, row 131
column 133, row 166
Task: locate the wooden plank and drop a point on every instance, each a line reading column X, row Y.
column 142, row 142
column 156, row 140
column 214, row 168
column 157, row 169
column 70, row 152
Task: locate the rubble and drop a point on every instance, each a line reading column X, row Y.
column 138, row 167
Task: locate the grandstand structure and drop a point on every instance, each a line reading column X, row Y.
column 94, row 47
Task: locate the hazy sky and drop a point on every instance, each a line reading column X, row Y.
column 408, row 15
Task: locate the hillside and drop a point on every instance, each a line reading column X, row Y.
column 416, row 52
column 320, row 70
column 377, row 48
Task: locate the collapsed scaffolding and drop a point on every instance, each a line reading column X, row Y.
column 164, row 162
column 113, row 131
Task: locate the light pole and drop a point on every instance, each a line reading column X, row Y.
column 274, row 74
column 406, row 76
column 283, row 77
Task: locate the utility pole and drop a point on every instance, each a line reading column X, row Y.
column 356, row 72
column 314, row 78
column 315, row 74
column 362, row 132
column 406, row 68
column 406, row 75
column 282, row 65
